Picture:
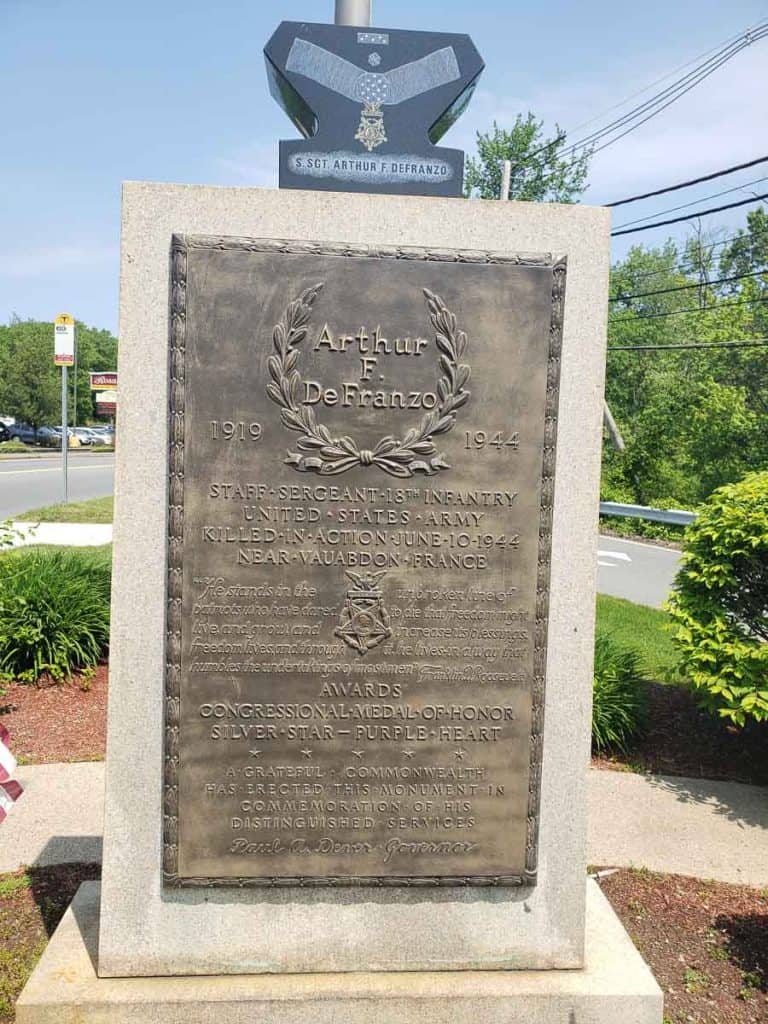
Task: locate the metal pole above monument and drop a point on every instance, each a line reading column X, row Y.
column 353, row 12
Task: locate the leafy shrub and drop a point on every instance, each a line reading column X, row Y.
column 8, row 534
column 619, row 698
column 54, row 611
column 720, row 601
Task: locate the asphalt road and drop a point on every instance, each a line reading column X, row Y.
column 642, row 573
column 34, row 483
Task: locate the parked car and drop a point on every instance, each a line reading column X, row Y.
column 5, row 434
column 103, row 434
column 23, row 432
column 84, row 435
column 49, row 437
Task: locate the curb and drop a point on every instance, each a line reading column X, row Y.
column 50, row 453
column 80, row 535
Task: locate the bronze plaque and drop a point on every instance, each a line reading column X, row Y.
column 362, row 453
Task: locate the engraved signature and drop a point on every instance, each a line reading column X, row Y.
column 326, row 846
column 330, row 847
column 426, row 848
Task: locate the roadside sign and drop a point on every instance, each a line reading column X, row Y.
column 64, row 340
column 106, row 402
column 104, row 381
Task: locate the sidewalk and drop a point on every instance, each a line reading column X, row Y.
column 674, row 824
column 684, row 826
column 76, row 535
column 58, row 818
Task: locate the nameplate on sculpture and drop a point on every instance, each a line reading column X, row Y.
column 362, row 459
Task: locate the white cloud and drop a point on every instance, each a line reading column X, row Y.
column 722, row 121
column 36, row 261
column 252, row 165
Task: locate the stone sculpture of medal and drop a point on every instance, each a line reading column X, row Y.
column 371, row 105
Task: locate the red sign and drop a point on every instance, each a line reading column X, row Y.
column 103, row 381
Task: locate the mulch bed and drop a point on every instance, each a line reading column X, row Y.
column 32, row 903
column 706, row 943
column 682, row 740
column 57, row 721
column 67, row 722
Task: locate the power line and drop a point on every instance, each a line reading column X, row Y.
column 693, row 202
column 690, row 216
column 560, row 137
column 680, row 267
column 666, row 97
column 684, row 346
column 716, row 57
column 689, row 309
column 691, row 181
column 694, row 60
column 685, row 287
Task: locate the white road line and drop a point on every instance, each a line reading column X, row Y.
column 620, row 556
column 55, row 469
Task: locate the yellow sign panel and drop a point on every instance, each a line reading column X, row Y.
column 65, row 320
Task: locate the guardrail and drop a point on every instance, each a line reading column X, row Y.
column 672, row 516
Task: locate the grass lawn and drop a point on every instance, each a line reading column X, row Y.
column 644, row 629
column 32, row 903
column 704, row 941
column 96, row 510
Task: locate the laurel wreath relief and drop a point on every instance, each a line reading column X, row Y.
column 319, row 452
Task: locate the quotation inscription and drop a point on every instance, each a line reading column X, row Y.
column 356, row 664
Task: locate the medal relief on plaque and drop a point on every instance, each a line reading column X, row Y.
column 362, row 455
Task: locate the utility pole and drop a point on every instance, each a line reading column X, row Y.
column 64, row 356
column 64, row 435
column 74, row 386
column 612, row 427
column 353, row 12
column 506, row 179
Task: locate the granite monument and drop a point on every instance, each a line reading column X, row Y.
column 354, row 579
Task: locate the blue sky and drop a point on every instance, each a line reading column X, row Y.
column 94, row 93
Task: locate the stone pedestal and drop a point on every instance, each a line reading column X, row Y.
column 146, row 929
column 614, row 987
column 432, row 954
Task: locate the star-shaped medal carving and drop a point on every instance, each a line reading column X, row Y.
column 364, row 622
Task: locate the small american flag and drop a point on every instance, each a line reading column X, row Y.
column 10, row 790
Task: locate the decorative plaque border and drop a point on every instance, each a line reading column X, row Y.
column 180, row 246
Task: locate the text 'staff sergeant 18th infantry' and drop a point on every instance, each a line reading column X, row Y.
column 371, row 105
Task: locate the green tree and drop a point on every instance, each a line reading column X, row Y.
column 724, row 434
column 748, row 252
column 692, row 419
column 30, row 385
column 540, row 170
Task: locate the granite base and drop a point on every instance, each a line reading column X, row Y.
column 615, row 985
